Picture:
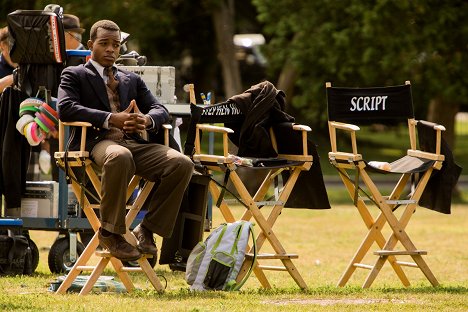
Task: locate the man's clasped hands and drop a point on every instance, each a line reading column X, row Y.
column 131, row 120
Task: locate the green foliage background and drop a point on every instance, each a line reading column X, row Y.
column 347, row 42
column 364, row 43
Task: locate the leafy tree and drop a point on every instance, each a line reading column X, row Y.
column 364, row 43
column 194, row 36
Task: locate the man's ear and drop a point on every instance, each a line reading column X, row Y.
column 90, row 45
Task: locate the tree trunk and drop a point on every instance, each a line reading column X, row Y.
column 223, row 19
column 286, row 81
column 443, row 112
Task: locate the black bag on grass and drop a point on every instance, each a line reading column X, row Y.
column 15, row 255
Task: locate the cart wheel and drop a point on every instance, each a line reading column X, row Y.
column 34, row 256
column 134, row 264
column 86, row 237
column 59, row 255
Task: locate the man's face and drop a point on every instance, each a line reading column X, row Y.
column 105, row 48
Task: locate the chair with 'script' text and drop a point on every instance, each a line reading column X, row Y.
column 350, row 108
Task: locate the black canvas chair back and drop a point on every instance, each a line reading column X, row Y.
column 391, row 105
column 224, row 112
column 370, row 105
column 38, row 46
column 348, row 108
column 37, row 37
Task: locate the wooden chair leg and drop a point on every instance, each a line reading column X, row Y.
column 123, row 275
column 150, row 273
column 266, row 225
column 94, row 276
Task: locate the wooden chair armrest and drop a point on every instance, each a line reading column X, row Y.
column 435, row 126
column 426, row 155
column 299, row 127
column 438, row 128
column 76, row 123
column 210, row 128
column 167, row 129
column 333, row 125
column 344, row 126
column 304, row 129
column 83, row 124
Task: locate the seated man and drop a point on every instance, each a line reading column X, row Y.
column 111, row 100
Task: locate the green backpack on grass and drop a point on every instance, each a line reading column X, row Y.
column 215, row 263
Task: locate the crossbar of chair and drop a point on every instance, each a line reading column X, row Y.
column 272, row 256
column 269, row 203
column 408, row 264
column 86, row 267
column 272, row 268
column 400, row 201
column 363, row 266
column 399, row 252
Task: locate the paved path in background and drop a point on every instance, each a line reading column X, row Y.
column 335, row 181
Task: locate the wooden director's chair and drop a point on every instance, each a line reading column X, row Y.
column 69, row 160
column 201, row 122
column 348, row 107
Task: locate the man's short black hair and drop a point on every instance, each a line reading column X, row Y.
column 106, row 24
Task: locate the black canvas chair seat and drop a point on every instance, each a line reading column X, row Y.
column 266, row 163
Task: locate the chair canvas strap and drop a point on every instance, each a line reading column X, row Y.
column 223, row 188
column 356, row 187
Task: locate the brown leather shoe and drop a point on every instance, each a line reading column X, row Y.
column 145, row 239
column 119, row 247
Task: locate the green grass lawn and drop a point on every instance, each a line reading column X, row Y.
column 325, row 241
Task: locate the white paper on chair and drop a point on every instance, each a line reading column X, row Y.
column 382, row 165
column 178, row 122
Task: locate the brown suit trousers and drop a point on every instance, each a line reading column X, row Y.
column 119, row 161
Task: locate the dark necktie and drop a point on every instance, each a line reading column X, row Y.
column 111, row 82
